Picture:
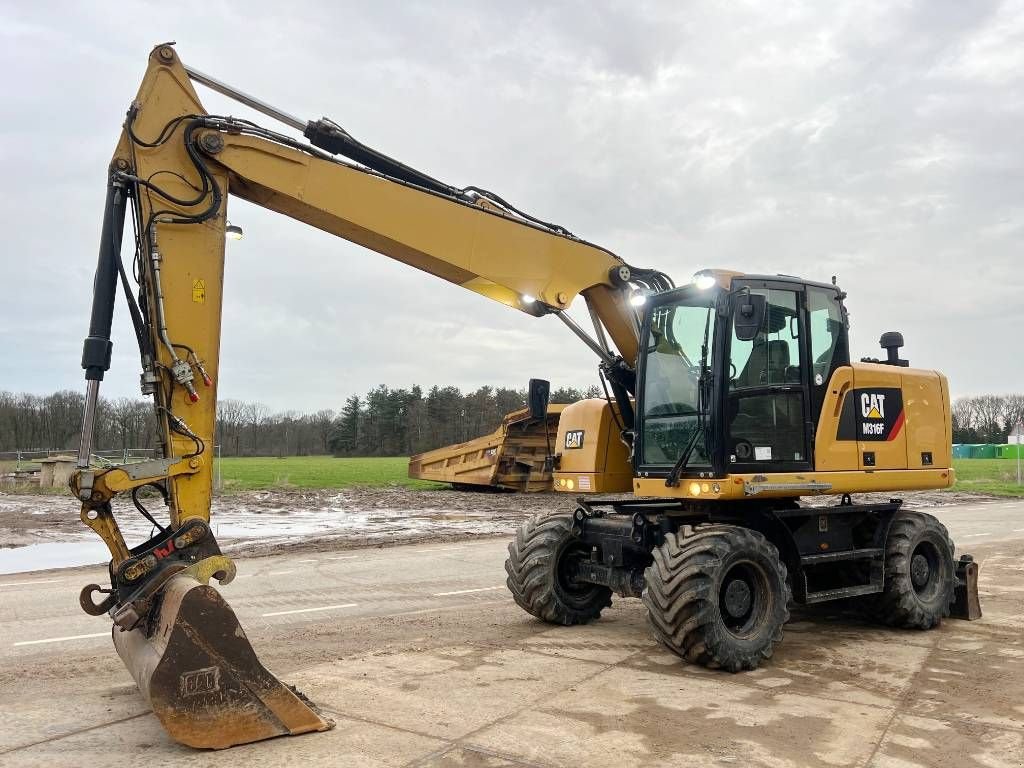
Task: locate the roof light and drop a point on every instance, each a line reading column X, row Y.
column 703, row 281
column 528, row 299
column 638, row 299
column 233, row 231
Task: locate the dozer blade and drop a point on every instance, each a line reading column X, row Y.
column 966, row 603
column 201, row 675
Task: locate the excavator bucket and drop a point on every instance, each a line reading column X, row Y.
column 202, row 678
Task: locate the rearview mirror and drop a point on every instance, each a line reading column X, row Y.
column 748, row 311
column 540, row 391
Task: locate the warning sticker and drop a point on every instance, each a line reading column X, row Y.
column 199, row 291
column 763, row 453
column 584, row 483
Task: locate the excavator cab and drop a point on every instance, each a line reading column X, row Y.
column 734, row 371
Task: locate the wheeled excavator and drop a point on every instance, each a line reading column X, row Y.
column 730, row 401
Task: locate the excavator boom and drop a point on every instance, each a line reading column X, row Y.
column 174, row 170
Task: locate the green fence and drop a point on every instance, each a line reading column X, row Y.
column 984, row 451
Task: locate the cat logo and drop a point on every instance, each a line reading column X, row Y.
column 870, row 414
column 872, row 405
column 574, row 439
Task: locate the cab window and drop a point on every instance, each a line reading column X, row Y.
column 773, row 356
column 765, row 406
column 672, row 376
column 826, row 328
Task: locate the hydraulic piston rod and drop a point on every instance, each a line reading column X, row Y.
column 97, row 347
column 244, row 98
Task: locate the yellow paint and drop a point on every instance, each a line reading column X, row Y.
column 732, row 487
column 603, row 458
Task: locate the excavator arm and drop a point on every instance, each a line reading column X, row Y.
column 174, row 170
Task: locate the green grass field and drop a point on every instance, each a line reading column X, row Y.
column 997, row 477
column 316, row 472
column 992, row 476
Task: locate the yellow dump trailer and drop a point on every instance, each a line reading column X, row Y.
column 510, row 458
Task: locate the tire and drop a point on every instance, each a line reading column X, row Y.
column 537, row 566
column 920, row 573
column 719, row 597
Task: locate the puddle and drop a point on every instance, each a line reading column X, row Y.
column 37, row 557
column 41, row 531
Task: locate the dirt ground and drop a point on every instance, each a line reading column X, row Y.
column 261, row 522
column 40, row 531
column 427, row 663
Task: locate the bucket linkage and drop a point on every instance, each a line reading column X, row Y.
column 184, row 645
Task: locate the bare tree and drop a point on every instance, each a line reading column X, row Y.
column 255, row 414
column 323, row 424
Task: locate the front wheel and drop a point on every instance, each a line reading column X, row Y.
column 718, row 597
column 541, row 572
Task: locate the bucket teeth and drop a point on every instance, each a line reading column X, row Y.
column 202, row 678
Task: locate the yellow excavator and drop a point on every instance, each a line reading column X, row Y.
column 728, row 399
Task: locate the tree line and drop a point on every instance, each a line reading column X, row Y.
column 986, row 418
column 384, row 422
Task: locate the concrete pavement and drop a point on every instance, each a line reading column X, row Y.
column 421, row 657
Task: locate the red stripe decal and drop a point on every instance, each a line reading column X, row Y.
column 896, row 427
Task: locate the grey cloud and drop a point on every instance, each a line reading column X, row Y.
column 875, row 141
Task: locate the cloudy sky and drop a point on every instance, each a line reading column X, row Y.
column 877, row 141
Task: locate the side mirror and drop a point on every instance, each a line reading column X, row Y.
column 540, row 392
column 748, row 312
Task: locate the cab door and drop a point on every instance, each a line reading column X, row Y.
column 766, row 387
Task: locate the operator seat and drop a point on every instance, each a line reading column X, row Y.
column 767, row 364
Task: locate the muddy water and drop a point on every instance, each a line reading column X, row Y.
column 52, row 555
column 39, row 531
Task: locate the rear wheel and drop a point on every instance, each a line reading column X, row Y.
column 920, row 575
column 541, row 572
column 718, row 597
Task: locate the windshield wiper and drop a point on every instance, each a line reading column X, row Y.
column 700, row 428
column 677, row 469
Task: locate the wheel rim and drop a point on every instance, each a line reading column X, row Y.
column 925, row 569
column 744, row 598
column 577, row 594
